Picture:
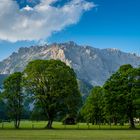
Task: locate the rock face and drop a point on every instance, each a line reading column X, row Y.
column 93, row 66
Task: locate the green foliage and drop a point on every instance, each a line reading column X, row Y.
column 93, row 110
column 122, row 94
column 118, row 101
column 51, row 88
column 85, row 88
column 54, row 86
column 13, row 97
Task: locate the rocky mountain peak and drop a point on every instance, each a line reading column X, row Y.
column 92, row 65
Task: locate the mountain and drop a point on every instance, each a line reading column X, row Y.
column 93, row 66
column 2, row 77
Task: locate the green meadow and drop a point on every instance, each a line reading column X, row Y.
column 69, row 135
column 59, row 126
column 32, row 130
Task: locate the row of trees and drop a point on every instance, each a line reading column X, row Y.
column 50, row 84
column 118, row 101
column 49, row 89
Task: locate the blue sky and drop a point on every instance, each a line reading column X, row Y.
column 106, row 24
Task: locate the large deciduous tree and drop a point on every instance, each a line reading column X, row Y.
column 54, row 86
column 122, row 94
column 14, row 97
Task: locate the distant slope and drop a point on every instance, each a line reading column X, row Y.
column 2, row 78
column 92, row 65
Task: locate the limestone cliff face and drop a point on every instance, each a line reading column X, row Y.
column 92, row 65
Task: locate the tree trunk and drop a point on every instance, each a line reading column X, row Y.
column 96, row 121
column 132, row 124
column 50, row 120
column 130, row 115
column 115, row 121
column 17, row 122
column 49, row 125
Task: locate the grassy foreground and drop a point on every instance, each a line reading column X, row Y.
column 60, row 126
column 69, row 135
column 35, row 131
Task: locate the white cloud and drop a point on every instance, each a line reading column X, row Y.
column 40, row 21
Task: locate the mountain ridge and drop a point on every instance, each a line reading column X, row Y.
column 92, row 65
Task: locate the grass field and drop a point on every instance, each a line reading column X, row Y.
column 59, row 125
column 34, row 131
column 69, row 135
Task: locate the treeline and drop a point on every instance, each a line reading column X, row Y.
column 48, row 90
column 118, row 101
column 50, row 85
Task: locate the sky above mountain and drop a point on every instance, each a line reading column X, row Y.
column 99, row 23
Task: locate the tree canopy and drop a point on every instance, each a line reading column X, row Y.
column 122, row 94
column 54, row 86
column 93, row 109
column 13, row 97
